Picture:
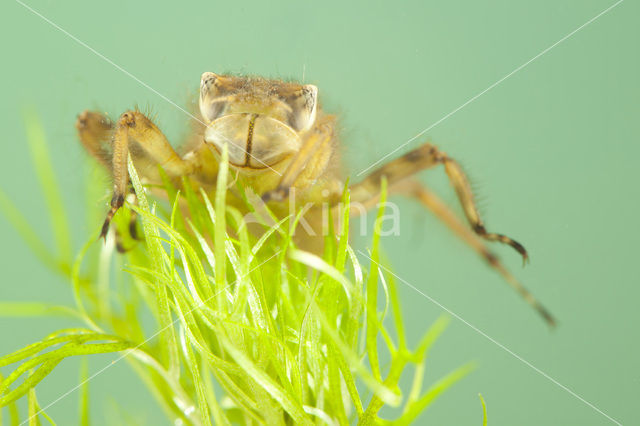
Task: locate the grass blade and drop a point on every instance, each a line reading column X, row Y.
column 44, row 170
column 84, row 393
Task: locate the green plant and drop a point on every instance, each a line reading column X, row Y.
column 247, row 329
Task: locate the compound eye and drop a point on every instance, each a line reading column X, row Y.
column 212, row 99
column 303, row 103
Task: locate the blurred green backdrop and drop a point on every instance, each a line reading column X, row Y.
column 552, row 149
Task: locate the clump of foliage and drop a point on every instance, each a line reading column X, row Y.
column 246, row 329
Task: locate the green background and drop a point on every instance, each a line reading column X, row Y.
column 552, row 151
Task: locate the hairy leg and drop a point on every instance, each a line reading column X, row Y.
column 133, row 133
column 425, row 157
column 432, row 202
column 94, row 131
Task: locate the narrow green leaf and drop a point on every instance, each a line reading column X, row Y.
column 484, row 410
column 44, row 170
column 372, row 289
column 30, row 237
column 36, row 309
column 168, row 339
column 192, row 364
column 415, row 409
column 84, row 393
column 34, row 410
column 220, row 227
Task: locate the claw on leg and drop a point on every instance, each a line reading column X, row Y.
column 116, row 202
column 398, row 173
column 433, row 203
column 110, row 143
column 482, row 232
column 460, row 182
